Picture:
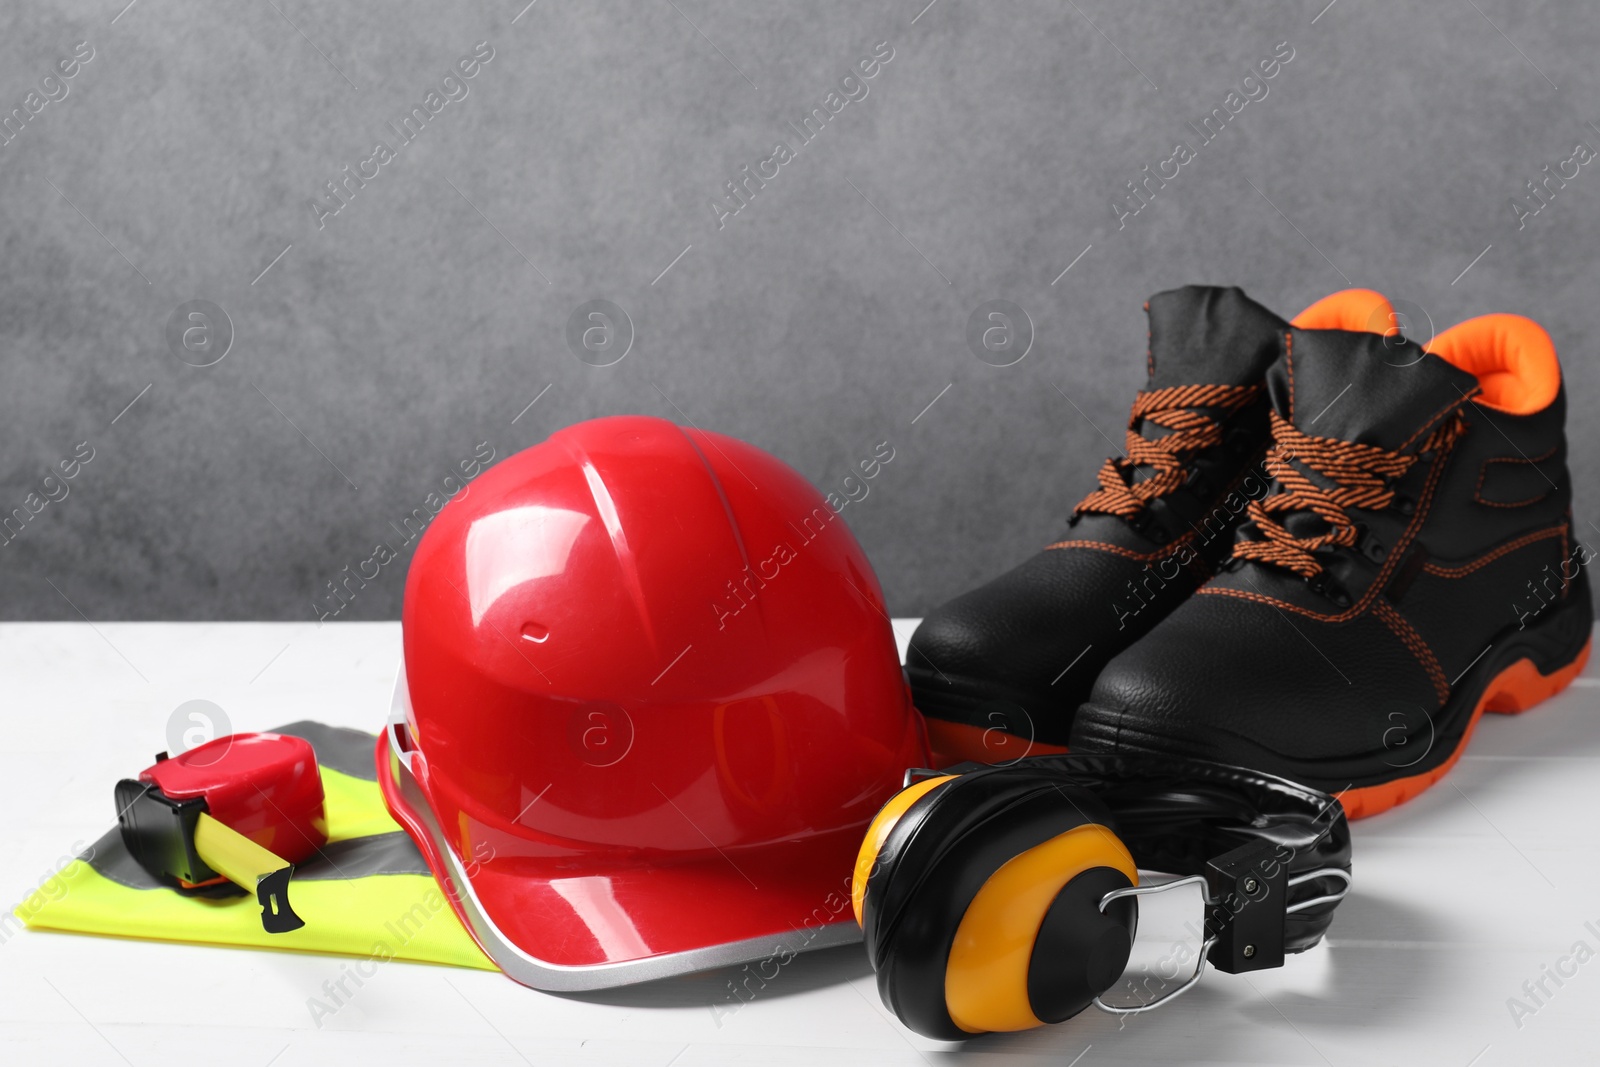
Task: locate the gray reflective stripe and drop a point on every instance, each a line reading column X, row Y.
column 359, row 857
column 110, row 857
column 362, row 857
column 338, row 748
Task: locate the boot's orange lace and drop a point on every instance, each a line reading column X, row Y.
column 1192, row 413
column 1359, row 475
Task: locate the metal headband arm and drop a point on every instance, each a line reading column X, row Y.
column 1246, row 896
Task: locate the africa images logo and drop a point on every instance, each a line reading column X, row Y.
column 452, row 87
column 1140, row 192
column 742, row 188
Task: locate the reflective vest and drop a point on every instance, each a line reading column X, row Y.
column 368, row 893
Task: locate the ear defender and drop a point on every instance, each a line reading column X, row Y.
column 979, row 899
column 1003, row 897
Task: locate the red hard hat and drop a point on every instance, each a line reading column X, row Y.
column 649, row 703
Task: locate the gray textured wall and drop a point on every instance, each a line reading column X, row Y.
column 384, row 345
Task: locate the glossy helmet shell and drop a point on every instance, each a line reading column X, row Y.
column 650, row 702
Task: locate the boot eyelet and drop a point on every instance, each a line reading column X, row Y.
column 1368, row 545
column 1323, row 585
column 1146, row 526
column 1404, row 505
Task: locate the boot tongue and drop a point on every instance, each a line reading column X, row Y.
column 1364, row 387
column 1210, row 335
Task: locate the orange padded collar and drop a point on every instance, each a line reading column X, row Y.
column 1513, row 358
column 1356, row 310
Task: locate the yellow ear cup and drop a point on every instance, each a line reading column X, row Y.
column 878, row 832
column 986, row 978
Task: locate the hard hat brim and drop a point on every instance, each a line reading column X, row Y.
column 561, row 928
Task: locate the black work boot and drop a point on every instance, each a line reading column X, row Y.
column 999, row 671
column 1414, row 566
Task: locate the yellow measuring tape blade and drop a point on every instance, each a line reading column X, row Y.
column 233, row 855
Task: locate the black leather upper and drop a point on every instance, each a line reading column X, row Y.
column 1022, row 651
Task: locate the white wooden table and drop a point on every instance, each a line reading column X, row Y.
column 1460, row 898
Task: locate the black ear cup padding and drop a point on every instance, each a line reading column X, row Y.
column 1079, row 952
column 935, row 859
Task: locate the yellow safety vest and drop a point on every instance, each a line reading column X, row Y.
column 368, row 893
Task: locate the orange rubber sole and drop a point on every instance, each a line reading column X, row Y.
column 958, row 742
column 1511, row 692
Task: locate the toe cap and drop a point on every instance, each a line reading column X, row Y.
column 1024, row 628
column 1238, row 681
